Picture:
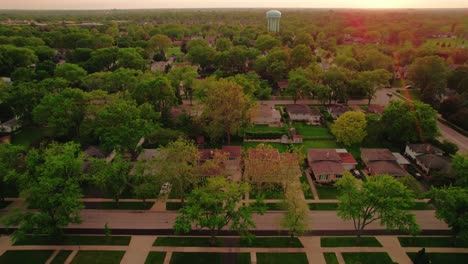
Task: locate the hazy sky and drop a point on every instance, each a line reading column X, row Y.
column 126, row 4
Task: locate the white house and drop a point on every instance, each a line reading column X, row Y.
column 304, row 113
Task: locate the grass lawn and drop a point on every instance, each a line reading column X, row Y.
column 98, row 257
column 4, row 204
column 323, row 206
column 349, row 242
column 119, row 206
column 61, row 257
column 261, row 242
column 313, row 132
column 367, row 258
column 273, row 192
column 25, row 256
column 448, row 258
column 306, row 187
column 155, row 258
column 76, row 240
column 280, row 258
column 330, row 258
column 275, row 207
column 427, row 241
column 174, row 51
column 281, row 147
column 266, row 129
column 319, row 144
column 211, row 258
column 27, row 135
column 173, row 206
column 326, row 192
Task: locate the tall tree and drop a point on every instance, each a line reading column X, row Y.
column 296, row 216
column 157, row 91
column 10, row 165
column 381, row 198
column 70, row 72
column 460, row 165
column 350, row 128
column 298, row 86
column 372, row 80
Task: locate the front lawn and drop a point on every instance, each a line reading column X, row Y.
column 119, row 206
column 326, row 192
column 25, row 256
column 280, row 147
column 319, row 144
column 98, row 257
column 211, row 258
column 75, row 240
column 173, row 206
column 349, row 242
column 281, row 258
column 155, row 258
column 330, row 258
column 257, row 242
column 367, row 258
column 306, row 187
column 323, row 206
column 268, row 192
column 275, row 207
column 61, row 257
column 421, row 206
column 313, row 132
column 449, row 258
column 427, row 241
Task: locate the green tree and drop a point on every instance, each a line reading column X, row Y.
column 214, row 206
column 70, row 72
column 223, row 44
column 372, row 80
column 159, row 42
column 381, row 198
column 350, row 128
column 460, row 165
column 301, row 56
column 50, row 186
column 412, row 184
column 12, row 57
column 201, row 55
column 299, row 86
column 112, row 177
column 452, row 206
column 158, row 92
column 183, row 78
column 266, row 43
column 296, row 216
column 10, row 165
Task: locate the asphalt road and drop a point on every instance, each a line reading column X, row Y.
column 453, row 136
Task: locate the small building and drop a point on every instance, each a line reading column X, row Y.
column 282, row 84
column 336, row 110
column 382, row 161
column 329, row 164
column 266, row 115
column 432, row 162
column 10, row 126
column 298, row 139
column 304, row 113
column 415, row 150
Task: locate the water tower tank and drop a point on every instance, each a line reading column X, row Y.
column 273, row 17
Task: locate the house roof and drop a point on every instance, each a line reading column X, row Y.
column 435, row 162
column 302, row 110
column 339, row 109
column 376, row 154
column 327, row 168
column 234, row 151
column 347, row 158
column 265, row 110
column 386, row 167
column 314, row 155
column 425, row 148
column 400, row 159
column 94, row 152
column 206, row 154
column 282, row 84
column 264, row 154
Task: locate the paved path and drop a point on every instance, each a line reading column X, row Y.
column 393, row 248
column 453, row 136
column 138, row 250
column 312, row 185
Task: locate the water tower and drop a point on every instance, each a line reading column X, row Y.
column 273, row 17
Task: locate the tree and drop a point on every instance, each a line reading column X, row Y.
column 350, row 128
column 183, row 78
column 379, row 198
column 50, row 185
column 201, row 55
column 412, row 184
column 298, row 86
column 227, row 108
column 452, row 206
column 159, row 42
column 12, row 57
column 70, row 72
column 460, row 165
column 296, row 216
column 10, row 165
column 372, row 80
column 266, row 43
column 113, row 176
column 403, row 122
column 158, row 92
column 430, row 75
column 301, row 56
column 62, row 112
column 215, row 206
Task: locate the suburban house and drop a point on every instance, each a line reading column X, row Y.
column 232, row 163
column 432, row 162
column 304, row 113
column 146, row 156
column 329, row 164
column 282, row 84
column 382, row 161
column 10, row 126
column 266, row 115
column 415, row 150
column 337, row 110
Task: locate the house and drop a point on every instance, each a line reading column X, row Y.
column 415, row 150
column 266, row 115
column 231, row 161
column 303, row 113
column 382, row 161
column 10, row 126
column 282, row 84
column 336, row 110
column 433, row 162
column 298, row 139
column 145, row 156
column 329, row 164
column 6, row 80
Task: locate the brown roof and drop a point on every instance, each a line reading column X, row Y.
column 148, row 154
column 302, row 109
column 425, row 148
column 314, row 155
column 347, row 158
column 386, row 167
column 234, row 151
column 435, row 162
column 94, row 152
column 266, row 154
column 376, row 154
column 327, row 168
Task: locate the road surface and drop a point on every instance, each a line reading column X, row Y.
column 453, row 136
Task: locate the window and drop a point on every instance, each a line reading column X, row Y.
column 323, row 177
column 338, row 176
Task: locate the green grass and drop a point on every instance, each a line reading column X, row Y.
column 155, row 258
column 367, row 258
column 119, row 206
column 27, row 135
column 349, row 242
column 313, row 132
column 319, row 144
column 323, row 206
column 98, row 257
column 275, row 207
column 269, row 192
column 306, row 189
column 4, row 204
column 448, row 258
column 330, row 258
column 61, row 257
column 280, row 147
column 281, row 258
column 174, row 51
column 76, row 240
column 326, row 192
column 173, row 206
column 261, row 242
column 25, row 256
column 211, row 258
column 453, row 43
column 266, row 129
column 427, row 241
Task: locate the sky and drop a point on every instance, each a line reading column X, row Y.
column 134, row 4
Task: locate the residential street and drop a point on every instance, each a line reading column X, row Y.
column 453, row 136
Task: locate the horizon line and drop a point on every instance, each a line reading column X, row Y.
column 205, row 8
